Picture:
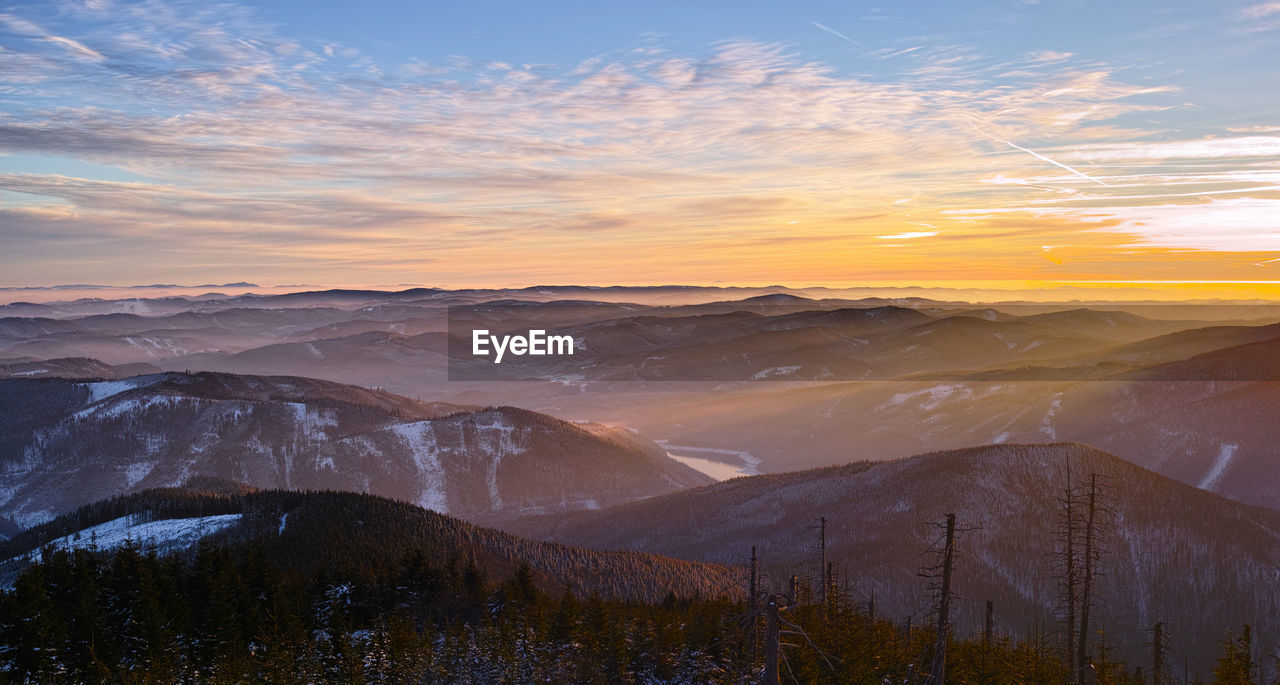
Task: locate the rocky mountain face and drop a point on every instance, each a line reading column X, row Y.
column 66, row 443
column 1161, row 543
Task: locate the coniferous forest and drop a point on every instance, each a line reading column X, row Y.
column 272, row 609
column 223, row 616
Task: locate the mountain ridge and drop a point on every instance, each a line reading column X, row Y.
column 881, row 518
column 65, row 443
column 351, row 532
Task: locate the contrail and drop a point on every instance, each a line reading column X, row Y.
column 1039, row 156
column 836, row 33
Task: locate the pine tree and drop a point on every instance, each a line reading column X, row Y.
column 1236, row 665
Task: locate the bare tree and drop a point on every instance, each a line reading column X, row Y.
column 1088, row 563
column 1066, row 559
column 1158, row 648
column 938, row 674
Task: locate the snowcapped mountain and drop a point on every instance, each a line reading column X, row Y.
column 1164, row 545
column 66, row 443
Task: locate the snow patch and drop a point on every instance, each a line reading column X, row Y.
column 115, row 408
column 421, row 439
column 1046, row 424
column 1219, row 466
column 101, row 390
column 936, row 395
column 167, row 533
column 311, row 421
column 134, row 473
column 776, row 371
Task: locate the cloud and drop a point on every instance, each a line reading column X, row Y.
column 1217, row 225
column 1047, row 56
column 835, row 33
column 76, row 48
column 1260, row 10
column 889, row 54
column 908, row 235
column 332, row 210
column 1235, row 147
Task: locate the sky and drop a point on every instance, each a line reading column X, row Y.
column 506, row 144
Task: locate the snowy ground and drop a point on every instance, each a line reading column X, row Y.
column 165, row 534
column 1225, row 453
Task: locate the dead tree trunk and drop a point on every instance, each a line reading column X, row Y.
column 1157, row 655
column 938, row 674
column 771, row 647
column 986, row 625
column 823, row 570
column 1070, row 573
column 1086, row 579
column 753, row 602
column 831, row 595
column 987, row 635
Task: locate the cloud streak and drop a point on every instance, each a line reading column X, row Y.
column 1041, row 157
column 837, row 34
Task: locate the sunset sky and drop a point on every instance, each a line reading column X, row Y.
column 495, row 144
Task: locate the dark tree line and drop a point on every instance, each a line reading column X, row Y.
column 234, row 614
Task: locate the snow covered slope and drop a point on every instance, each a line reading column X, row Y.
column 65, row 443
column 163, row 534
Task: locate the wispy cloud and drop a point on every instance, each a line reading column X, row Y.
column 1232, row 147
column 835, row 33
column 1260, row 10
column 1047, row 56
column 908, row 235
column 899, row 53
